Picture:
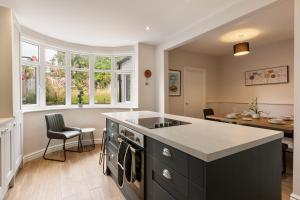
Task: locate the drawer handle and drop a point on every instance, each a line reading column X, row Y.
column 112, row 156
column 167, row 174
column 166, row 152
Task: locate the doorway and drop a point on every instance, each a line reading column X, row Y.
column 194, row 91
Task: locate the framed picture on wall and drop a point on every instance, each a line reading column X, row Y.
column 266, row 76
column 174, row 82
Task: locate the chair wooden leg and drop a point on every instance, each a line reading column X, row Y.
column 64, row 149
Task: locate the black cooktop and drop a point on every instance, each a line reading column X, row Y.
column 157, row 122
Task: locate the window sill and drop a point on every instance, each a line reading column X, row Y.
column 40, row 109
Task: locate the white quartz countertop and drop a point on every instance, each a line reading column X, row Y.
column 5, row 120
column 203, row 139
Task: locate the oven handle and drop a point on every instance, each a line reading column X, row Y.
column 131, row 148
column 120, row 139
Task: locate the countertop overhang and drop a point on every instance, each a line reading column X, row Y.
column 203, row 139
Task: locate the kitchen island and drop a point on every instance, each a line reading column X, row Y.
column 198, row 159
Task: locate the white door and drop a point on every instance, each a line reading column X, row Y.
column 194, row 92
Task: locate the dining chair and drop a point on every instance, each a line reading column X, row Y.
column 207, row 112
column 56, row 129
column 287, row 147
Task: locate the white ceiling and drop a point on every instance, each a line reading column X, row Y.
column 273, row 23
column 112, row 22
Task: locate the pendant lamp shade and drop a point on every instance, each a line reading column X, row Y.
column 241, row 49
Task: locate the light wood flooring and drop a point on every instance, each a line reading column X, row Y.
column 80, row 178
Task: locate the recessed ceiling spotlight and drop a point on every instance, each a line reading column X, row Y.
column 148, row 28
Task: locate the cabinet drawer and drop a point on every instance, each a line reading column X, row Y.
column 173, row 182
column 160, row 193
column 112, row 156
column 112, row 138
column 170, row 156
column 112, row 126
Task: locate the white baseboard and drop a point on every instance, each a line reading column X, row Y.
column 294, row 197
column 58, row 147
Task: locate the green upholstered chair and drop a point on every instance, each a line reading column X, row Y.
column 56, row 129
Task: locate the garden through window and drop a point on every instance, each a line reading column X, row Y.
column 80, row 87
column 55, row 86
column 30, row 68
column 52, row 77
column 55, row 58
column 29, row 87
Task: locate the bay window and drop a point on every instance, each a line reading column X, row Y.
column 52, row 77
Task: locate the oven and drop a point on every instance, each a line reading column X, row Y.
column 127, row 145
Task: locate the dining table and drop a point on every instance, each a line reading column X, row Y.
column 287, row 126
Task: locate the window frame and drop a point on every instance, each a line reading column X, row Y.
column 111, row 71
column 80, row 70
column 37, row 66
column 64, row 67
column 42, row 65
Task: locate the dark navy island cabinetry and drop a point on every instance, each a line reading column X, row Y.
column 252, row 174
column 161, row 171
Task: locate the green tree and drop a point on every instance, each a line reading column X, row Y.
column 102, row 80
column 80, row 61
column 103, row 63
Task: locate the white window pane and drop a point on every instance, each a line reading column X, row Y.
column 30, row 52
column 102, row 63
column 80, row 61
column 55, row 86
column 80, row 87
column 123, row 87
column 56, row 58
column 29, row 85
column 124, row 62
column 102, row 88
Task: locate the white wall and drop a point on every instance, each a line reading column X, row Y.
column 232, row 75
column 296, row 183
column 226, row 90
column 146, row 60
column 234, row 96
column 35, row 139
column 219, row 18
column 6, row 99
column 178, row 59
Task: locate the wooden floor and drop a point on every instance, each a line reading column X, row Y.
column 80, row 177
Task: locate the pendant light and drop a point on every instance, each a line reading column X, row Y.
column 241, row 49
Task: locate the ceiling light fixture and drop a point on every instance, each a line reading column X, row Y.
column 148, row 28
column 241, row 49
